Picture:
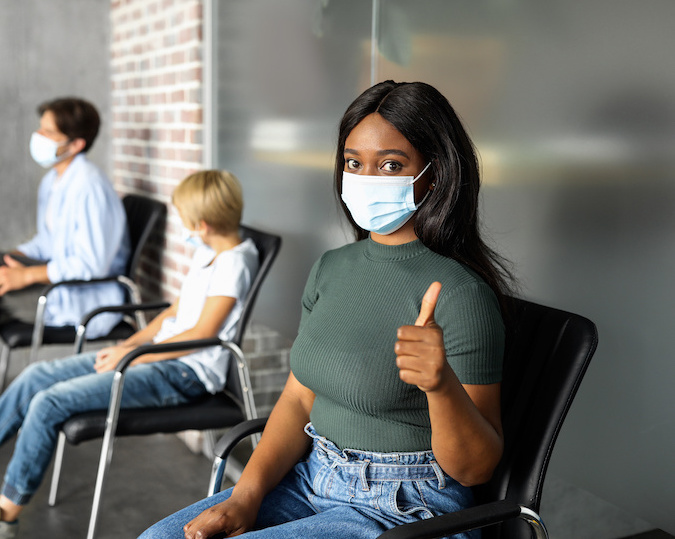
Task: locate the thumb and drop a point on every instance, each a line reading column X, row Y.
column 429, row 301
column 12, row 263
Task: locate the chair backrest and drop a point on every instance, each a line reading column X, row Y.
column 142, row 215
column 268, row 246
column 547, row 354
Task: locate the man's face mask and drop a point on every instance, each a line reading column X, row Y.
column 44, row 150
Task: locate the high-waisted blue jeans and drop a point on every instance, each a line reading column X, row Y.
column 343, row 494
column 47, row 393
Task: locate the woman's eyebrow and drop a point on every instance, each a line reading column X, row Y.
column 394, row 152
column 381, row 152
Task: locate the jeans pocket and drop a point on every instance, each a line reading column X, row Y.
column 408, row 501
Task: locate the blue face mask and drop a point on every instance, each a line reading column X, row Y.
column 43, row 150
column 381, row 204
column 192, row 238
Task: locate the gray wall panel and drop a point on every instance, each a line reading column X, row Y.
column 47, row 49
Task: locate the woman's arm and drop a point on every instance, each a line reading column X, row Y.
column 466, row 438
column 283, row 443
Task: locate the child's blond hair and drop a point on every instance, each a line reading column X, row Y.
column 212, row 196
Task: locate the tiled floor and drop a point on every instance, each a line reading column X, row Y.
column 151, row 476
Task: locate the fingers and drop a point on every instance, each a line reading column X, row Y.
column 426, row 316
column 11, row 263
column 208, row 523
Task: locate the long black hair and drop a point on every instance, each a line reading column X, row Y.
column 447, row 223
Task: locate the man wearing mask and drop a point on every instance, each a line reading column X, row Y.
column 81, row 223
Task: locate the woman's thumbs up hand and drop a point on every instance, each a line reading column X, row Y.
column 420, row 351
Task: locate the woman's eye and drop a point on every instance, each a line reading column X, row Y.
column 391, row 166
column 351, row 164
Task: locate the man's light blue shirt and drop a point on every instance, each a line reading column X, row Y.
column 88, row 239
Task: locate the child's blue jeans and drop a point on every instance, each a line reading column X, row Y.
column 47, row 393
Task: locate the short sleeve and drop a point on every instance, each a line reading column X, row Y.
column 231, row 276
column 310, row 294
column 473, row 330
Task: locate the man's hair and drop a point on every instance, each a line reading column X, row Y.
column 75, row 118
column 212, row 196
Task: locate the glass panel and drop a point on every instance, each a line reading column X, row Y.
column 286, row 72
column 572, row 108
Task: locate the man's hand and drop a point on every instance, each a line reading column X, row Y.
column 420, row 351
column 13, row 276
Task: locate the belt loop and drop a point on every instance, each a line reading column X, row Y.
column 362, row 476
column 439, row 474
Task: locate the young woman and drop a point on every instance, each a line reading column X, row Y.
column 391, row 411
column 45, row 394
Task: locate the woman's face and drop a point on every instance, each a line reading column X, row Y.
column 376, row 148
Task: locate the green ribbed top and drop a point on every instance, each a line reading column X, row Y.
column 355, row 299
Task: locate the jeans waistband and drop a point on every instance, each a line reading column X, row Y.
column 370, row 466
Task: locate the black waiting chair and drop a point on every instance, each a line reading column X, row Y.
column 547, row 353
column 142, row 214
column 224, row 409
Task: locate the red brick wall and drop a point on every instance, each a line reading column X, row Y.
column 157, row 139
column 157, row 131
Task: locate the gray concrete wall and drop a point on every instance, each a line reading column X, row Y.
column 47, row 49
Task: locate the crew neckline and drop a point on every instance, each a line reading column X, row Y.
column 390, row 253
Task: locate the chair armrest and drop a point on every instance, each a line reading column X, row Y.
column 80, row 282
column 236, row 434
column 39, row 324
column 465, row 520
column 225, row 446
column 125, row 308
column 166, row 347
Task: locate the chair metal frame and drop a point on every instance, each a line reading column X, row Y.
column 244, row 401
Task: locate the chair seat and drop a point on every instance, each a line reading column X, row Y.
column 213, row 412
column 19, row 334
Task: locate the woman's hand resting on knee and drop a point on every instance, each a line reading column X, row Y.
column 232, row 517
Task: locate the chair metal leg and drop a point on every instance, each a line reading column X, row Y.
column 244, row 380
column 56, row 474
column 4, row 365
column 216, row 479
column 106, row 450
column 38, row 328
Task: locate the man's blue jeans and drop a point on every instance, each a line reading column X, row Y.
column 47, row 393
column 343, row 494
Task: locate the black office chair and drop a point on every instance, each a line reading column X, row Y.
column 142, row 215
column 227, row 408
column 547, row 353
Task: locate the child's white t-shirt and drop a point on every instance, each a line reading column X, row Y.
column 228, row 274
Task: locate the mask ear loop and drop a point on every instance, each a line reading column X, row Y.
column 433, row 184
